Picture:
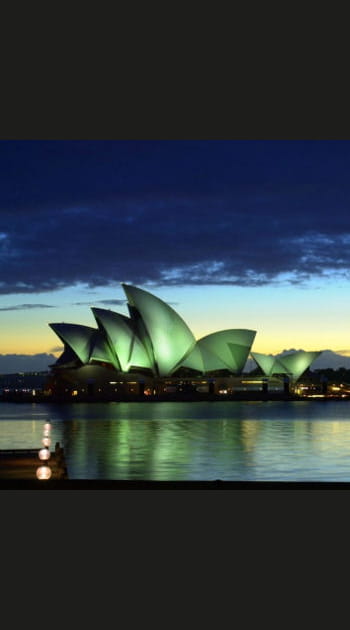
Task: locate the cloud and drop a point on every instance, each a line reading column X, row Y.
column 172, row 213
column 21, row 307
column 107, row 302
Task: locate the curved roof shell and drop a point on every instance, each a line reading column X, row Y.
column 294, row 363
column 79, row 338
column 268, row 363
column 122, row 339
column 156, row 338
column 297, row 362
column 102, row 351
column 226, row 349
column 194, row 360
column 169, row 337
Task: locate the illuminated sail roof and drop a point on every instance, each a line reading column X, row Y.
column 156, row 339
column 79, row 338
column 294, row 363
column 226, row 349
column 102, row 351
column 171, row 339
column 268, row 363
column 122, row 339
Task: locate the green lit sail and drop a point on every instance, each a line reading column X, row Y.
column 266, row 362
column 156, row 338
column 194, row 360
column 226, row 349
column 79, row 338
column 170, row 337
column 101, row 350
column 294, row 363
column 297, row 362
column 122, row 339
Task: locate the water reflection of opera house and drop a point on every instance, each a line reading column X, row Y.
column 153, row 351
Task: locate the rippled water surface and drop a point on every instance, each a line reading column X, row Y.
column 232, row 441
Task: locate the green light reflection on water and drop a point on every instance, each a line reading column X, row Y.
column 191, row 441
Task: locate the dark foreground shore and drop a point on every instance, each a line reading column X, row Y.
column 18, row 472
column 20, row 465
column 171, row 486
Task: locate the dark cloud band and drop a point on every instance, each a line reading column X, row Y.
column 172, row 213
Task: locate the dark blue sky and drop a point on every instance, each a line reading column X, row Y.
column 234, row 234
column 171, row 212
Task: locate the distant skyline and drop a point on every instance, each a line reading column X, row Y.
column 236, row 234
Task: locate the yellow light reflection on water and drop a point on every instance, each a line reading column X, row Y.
column 250, row 431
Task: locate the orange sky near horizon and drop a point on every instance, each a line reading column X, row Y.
column 284, row 317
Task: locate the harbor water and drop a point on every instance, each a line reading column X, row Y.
column 190, row 441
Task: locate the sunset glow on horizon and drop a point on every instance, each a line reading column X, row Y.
column 283, row 318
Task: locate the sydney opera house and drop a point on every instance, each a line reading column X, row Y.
column 153, row 351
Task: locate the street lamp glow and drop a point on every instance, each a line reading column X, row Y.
column 43, row 472
column 44, row 454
